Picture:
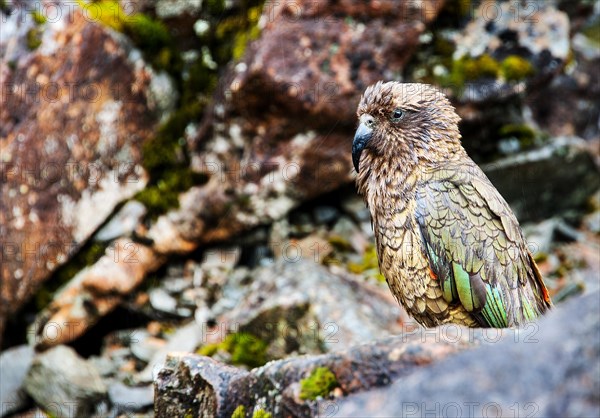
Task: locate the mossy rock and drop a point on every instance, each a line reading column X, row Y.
column 244, row 348
column 368, row 266
column 318, row 384
column 592, row 31
column 147, row 33
column 240, row 412
column 235, row 32
column 471, row 69
column 524, row 133
column 261, row 413
column 4, row 7
column 515, row 68
column 165, row 156
column 459, row 7
column 38, row 17
column 108, row 12
column 85, row 257
column 33, row 39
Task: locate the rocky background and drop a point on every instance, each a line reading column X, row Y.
column 180, row 233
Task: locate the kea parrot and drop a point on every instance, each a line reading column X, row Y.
column 448, row 244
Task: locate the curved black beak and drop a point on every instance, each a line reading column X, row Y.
column 361, row 138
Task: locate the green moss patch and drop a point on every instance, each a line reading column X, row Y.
column 592, row 31
column 512, row 68
column 369, row 265
column 234, row 32
column 319, row 384
column 522, row 132
column 244, row 348
column 240, row 412
column 38, row 17
column 469, row 69
column 165, row 157
column 515, row 68
column 86, row 256
column 261, row 413
column 33, row 39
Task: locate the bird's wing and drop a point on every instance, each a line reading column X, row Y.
column 476, row 249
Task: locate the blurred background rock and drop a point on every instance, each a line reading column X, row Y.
column 176, row 176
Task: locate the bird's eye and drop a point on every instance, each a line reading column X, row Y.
column 397, row 115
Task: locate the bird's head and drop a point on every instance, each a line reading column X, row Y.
column 408, row 120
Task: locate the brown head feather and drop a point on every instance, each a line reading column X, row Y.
column 427, row 133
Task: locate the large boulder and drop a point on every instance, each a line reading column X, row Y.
column 280, row 128
column 77, row 103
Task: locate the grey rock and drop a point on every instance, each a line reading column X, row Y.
column 145, row 346
column 162, row 301
column 130, row 398
column 106, row 366
column 185, row 339
column 61, row 380
column 14, row 364
column 537, row 27
column 541, row 183
column 551, row 370
column 123, row 223
column 539, row 236
column 308, row 308
column 325, row 214
column 201, row 386
column 186, row 386
column 346, row 229
column 173, row 8
column 592, row 222
column 355, row 207
column 176, row 285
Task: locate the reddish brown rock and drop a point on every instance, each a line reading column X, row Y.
column 73, row 114
column 316, row 58
column 281, row 126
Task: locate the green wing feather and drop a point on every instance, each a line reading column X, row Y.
column 476, row 248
